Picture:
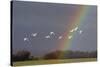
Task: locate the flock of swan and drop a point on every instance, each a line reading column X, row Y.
column 54, row 34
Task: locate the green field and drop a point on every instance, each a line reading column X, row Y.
column 39, row 62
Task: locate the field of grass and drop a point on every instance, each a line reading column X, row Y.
column 39, row 62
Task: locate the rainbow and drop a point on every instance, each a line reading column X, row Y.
column 80, row 14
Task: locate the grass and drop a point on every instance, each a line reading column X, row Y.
column 39, row 62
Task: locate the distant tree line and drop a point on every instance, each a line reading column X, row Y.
column 70, row 54
column 26, row 55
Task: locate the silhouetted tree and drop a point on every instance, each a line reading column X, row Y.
column 52, row 55
column 21, row 56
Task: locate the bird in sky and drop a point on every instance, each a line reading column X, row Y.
column 80, row 31
column 52, row 33
column 60, row 37
column 26, row 39
column 47, row 36
column 69, row 37
column 34, row 34
column 76, row 29
column 72, row 30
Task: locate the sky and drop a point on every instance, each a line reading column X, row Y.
column 37, row 27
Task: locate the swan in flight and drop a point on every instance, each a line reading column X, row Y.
column 26, row 39
column 72, row 30
column 34, row 35
column 60, row 37
column 75, row 29
column 52, row 33
column 69, row 37
column 47, row 36
column 80, row 31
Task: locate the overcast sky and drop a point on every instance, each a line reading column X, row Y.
column 43, row 18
